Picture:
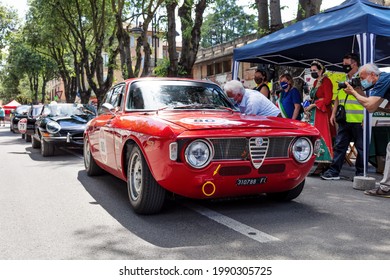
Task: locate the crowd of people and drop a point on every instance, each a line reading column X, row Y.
column 321, row 111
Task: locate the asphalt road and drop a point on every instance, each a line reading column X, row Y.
column 51, row 210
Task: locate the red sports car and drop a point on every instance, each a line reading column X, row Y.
column 185, row 137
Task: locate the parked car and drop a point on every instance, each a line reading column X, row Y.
column 186, row 137
column 61, row 124
column 19, row 113
column 27, row 125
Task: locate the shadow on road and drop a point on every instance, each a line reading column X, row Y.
column 177, row 225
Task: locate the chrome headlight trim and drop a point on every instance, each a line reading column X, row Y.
column 53, row 127
column 302, row 149
column 199, row 153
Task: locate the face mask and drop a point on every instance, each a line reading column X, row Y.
column 366, row 84
column 347, row 68
column 284, row 85
column 259, row 81
column 314, row 75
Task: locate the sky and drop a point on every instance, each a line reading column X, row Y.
column 19, row 5
column 287, row 14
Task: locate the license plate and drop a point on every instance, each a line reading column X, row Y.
column 251, row 181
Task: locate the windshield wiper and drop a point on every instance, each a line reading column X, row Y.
column 197, row 106
column 203, row 106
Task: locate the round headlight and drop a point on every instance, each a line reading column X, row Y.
column 302, row 149
column 198, row 154
column 53, row 127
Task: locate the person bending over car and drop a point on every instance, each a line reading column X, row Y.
column 249, row 101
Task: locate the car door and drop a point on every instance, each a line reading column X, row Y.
column 105, row 132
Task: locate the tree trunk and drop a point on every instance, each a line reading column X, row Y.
column 123, row 40
column 190, row 33
column 308, row 8
column 263, row 17
column 172, row 53
column 276, row 17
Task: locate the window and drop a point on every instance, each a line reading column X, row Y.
column 227, row 66
column 210, row 70
column 117, row 94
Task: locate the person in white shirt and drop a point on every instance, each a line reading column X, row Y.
column 249, row 101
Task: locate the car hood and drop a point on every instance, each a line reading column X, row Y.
column 213, row 120
column 70, row 122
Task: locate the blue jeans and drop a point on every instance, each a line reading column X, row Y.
column 346, row 133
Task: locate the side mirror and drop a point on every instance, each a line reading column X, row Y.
column 108, row 108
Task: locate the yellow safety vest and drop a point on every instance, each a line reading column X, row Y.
column 354, row 110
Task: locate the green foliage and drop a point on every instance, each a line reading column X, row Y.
column 161, row 70
column 226, row 21
column 8, row 23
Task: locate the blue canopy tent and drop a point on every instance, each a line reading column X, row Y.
column 354, row 26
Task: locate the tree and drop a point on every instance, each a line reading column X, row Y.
column 8, row 23
column 226, row 22
column 173, row 65
column 23, row 60
column 276, row 17
column 308, row 8
column 191, row 32
column 263, row 17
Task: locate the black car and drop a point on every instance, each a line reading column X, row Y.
column 33, row 112
column 19, row 113
column 61, row 124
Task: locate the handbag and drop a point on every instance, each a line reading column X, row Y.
column 341, row 115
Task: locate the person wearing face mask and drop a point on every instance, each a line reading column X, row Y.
column 319, row 112
column 249, row 101
column 261, row 81
column 351, row 130
column 379, row 83
column 290, row 100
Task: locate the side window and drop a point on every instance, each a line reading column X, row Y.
column 107, row 97
column 117, row 94
column 136, row 100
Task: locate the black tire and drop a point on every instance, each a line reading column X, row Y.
column 145, row 194
column 35, row 144
column 287, row 195
column 47, row 148
column 89, row 162
column 28, row 138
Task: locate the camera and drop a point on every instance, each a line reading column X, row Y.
column 354, row 82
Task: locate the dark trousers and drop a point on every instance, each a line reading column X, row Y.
column 346, row 133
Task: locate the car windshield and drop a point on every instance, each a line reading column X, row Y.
column 154, row 95
column 22, row 110
column 64, row 109
column 36, row 110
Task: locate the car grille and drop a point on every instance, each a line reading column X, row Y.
column 255, row 149
column 78, row 138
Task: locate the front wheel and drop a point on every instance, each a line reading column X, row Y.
column 47, row 148
column 145, row 194
column 287, row 195
column 36, row 144
column 89, row 162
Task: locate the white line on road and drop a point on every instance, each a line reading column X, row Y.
column 248, row 231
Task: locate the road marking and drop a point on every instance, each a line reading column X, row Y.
column 246, row 230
